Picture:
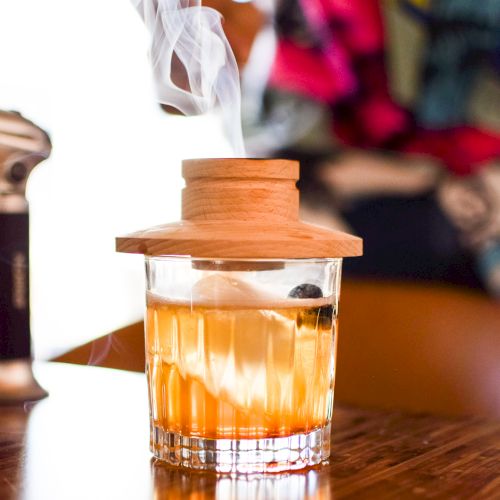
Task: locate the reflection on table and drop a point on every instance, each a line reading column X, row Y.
column 89, row 439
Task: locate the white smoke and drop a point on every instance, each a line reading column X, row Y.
column 193, row 65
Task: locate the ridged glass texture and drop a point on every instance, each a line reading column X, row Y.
column 241, row 362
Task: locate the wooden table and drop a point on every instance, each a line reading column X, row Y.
column 89, row 440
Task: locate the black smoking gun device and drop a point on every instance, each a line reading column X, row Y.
column 22, row 146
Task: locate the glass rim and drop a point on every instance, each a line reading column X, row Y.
column 186, row 258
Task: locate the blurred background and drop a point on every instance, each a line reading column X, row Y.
column 82, row 74
column 392, row 107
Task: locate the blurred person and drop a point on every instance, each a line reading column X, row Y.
column 428, row 189
column 424, row 183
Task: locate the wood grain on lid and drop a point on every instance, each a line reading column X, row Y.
column 240, row 168
column 241, row 208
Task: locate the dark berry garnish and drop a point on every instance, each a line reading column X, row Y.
column 316, row 318
column 325, row 316
column 306, row 291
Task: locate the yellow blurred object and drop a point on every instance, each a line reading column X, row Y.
column 422, row 4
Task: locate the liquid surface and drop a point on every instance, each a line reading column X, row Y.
column 242, row 370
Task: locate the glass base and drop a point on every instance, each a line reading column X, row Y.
column 242, row 455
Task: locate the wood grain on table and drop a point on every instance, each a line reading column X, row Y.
column 89, row 439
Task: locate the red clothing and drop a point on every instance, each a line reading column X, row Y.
column 341, row 65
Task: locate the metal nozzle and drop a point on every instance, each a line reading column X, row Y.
column 23, row 145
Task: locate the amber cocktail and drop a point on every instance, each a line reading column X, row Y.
column 241, row 363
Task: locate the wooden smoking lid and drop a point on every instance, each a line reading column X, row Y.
column 241, row 208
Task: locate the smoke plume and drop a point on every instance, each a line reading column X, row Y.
column 193, row 65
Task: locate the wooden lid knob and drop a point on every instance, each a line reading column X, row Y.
column 241, row 209
column 243, row 189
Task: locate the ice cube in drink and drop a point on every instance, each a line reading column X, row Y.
column 237, row 364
